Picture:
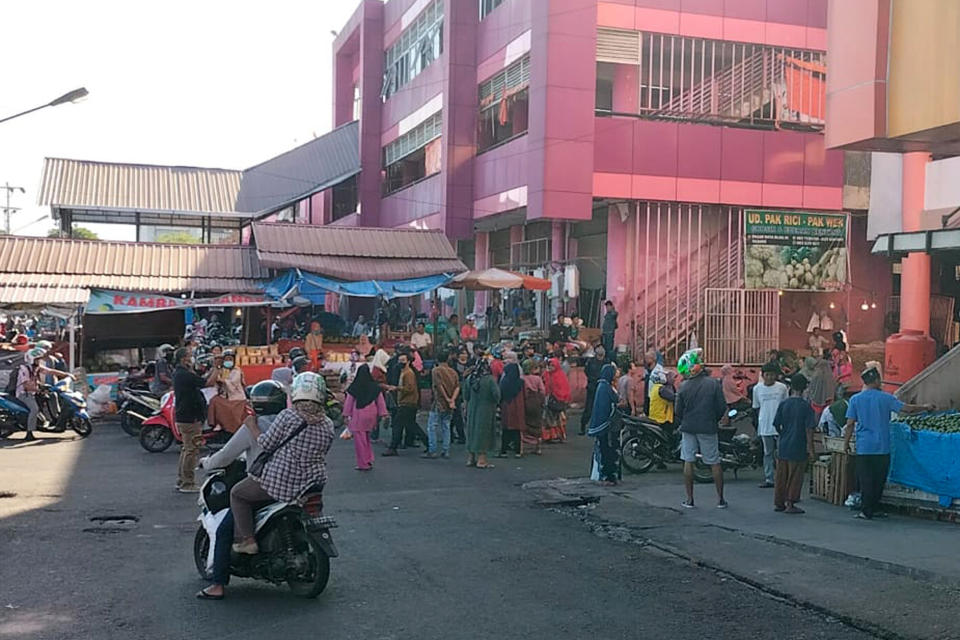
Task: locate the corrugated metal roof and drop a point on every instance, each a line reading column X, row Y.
column 12, row 294
column 143, row 187
column 129, row 266
column 356, row 253
column 317, row 165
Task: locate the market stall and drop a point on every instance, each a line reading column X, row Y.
column 502, row 280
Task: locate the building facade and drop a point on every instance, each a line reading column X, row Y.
column 626, row 137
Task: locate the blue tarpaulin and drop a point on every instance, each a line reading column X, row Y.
column 926, row 460
column 308, row 285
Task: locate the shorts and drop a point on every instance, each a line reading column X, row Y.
column 707, row 444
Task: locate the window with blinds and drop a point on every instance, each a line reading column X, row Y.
column 697, row 79
column 417, row 47
column 414, row 155
column 504, row 105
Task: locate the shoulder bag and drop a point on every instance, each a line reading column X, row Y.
column 256, row 469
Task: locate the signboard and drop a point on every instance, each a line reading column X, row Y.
column 124, row 302
column 795, row 250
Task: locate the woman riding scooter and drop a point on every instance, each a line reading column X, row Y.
column 268, row 399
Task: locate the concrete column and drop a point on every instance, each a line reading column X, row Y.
column 481, row 261
column 915, row 277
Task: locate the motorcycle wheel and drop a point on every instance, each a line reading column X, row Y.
column 201, row 546
column 130, row 425
column 637, row 455
column 317, row 573
column 82, row 426
column 6, row 430
column 155, row 438
column 702, row 473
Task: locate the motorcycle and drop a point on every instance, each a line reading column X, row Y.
column 136, row 406
column 738, row 450
column 294, row 538
column 160, row 430
column 72, row 411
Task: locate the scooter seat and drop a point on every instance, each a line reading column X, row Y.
column 14, row 400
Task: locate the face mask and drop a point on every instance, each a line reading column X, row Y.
column 316, row 332
column 228, row 364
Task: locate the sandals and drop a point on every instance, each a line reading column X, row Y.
column 204, row 595
column 485, row 466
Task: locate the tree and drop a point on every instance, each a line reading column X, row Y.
column 178, row 237
column 78, row 232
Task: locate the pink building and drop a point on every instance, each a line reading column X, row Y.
column 626, row 137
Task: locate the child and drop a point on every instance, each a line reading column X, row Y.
column 795, row 421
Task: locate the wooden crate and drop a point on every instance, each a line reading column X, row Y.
column 834, row 480
column 820, row 480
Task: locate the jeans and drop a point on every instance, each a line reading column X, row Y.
column 190, row 453
column 31, row 402
column 439, row 420
column 221, row 550
column 872, row 474
column 769, row 451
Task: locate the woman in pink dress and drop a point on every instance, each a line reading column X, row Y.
column 363, row 407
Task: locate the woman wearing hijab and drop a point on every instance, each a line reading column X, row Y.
column 558, row 399
column 482, row 396
column 732, row 394
column 534, row 394
column 513, row 417
column 363, row 407
column 378, row 371
column 601, row 427
column 822, row 387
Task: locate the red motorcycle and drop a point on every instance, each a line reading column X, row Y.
column 160, row 430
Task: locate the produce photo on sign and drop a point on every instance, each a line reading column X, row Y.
column 795, row 250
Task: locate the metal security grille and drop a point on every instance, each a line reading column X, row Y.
column 530, row 253
column 514, row 77
column 680, row 250
column 418, row 137
column 420, row 44
column 717, row 81
column 740, row 326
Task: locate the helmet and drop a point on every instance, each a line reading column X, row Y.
column 228, row 353
column 33, row 355
column 268, row 398
column 44, row 344
column 691, row 363
column 164, row 349
column 295, row 353
column 309, row 386
column 299, row 364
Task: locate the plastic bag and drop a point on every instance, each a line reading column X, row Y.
column 346, row 435
column 98, row 402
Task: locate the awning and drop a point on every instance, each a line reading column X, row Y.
column 498, row 279
column 11, row 295
column 300, row 283
column 356, row 254
column 130, row 302
column 933, row 241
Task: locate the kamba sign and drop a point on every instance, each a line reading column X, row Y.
column 795, row 250
column 102, row 301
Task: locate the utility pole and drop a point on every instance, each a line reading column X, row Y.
column 8, row 210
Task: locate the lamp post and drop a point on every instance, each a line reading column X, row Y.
column 72, row 96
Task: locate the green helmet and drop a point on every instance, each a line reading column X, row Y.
column 690, row 363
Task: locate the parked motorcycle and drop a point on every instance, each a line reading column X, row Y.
column 72, row 411
column 136, row 406
column 293, row 537
column 738, row 449
column 160, row 430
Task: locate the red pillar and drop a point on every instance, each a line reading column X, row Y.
column 915, row 277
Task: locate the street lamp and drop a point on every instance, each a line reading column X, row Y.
column 72, row 96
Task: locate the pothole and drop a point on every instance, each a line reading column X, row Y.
column 112, row 524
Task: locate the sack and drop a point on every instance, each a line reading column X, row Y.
column 256, row 469
column 555, row 405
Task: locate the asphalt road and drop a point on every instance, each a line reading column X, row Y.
column 429, row 549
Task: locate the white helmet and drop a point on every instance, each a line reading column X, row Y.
column 32, row 356
column 309, row 386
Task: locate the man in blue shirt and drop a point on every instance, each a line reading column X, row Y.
column 869, row 412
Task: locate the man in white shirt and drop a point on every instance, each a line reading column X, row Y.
column 360, row 327
column 421, row 340
column 767, row 396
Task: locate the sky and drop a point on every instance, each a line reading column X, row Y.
column 205, row 83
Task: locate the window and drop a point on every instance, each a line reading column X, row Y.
column 671, row 77
column 344, row 198
column 504, row 105
column 413, row 156
column 419, row 45
column 486, row 6
column 357, row 103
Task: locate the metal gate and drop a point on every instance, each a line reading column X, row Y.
column 740, row 325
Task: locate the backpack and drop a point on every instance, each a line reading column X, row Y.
column 11, row 388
